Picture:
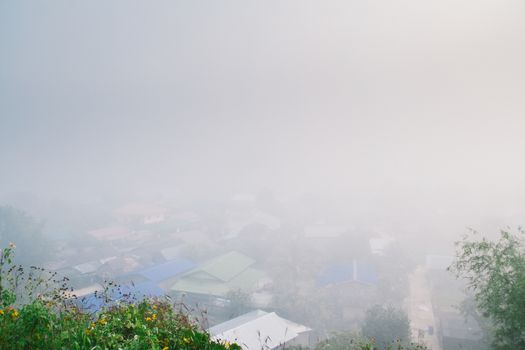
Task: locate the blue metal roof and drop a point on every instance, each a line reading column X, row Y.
column 347, row 272
column 137, row 291
column 131, row 292
column 90, row 303
column 167, row 270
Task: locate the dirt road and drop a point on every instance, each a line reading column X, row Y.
column 420, row 309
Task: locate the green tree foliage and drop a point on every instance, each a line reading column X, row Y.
column 239, row 303
column 495, row 273
column 386, row 325
column 23, row 230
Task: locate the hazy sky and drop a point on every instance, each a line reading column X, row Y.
column 406, row 98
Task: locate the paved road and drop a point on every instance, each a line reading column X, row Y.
column 420, row 309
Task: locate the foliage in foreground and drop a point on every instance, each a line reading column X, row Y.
column 495, row 273
column 50, row 320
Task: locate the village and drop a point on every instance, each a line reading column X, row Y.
column 252, row 272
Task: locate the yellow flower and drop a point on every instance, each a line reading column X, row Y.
column 154, row 317
column 88, row 331
column 186, row 340
column 227, row 344
column 148, row 319
column 1, row 312
column 14, row 314
column 165, row 348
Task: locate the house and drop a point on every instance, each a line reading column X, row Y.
column 172, row 252
column 93, row 299
column 354, row 272
column 119, row 266
column 240, row 220
column 168, row 270
column 224, row 273
column 179, row 221
column 379, row 245
column 259, row 329
column 348, row 290
column 88, row 267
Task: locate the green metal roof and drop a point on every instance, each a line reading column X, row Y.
column 224, row 267
column 217, row 276
column 246, row 280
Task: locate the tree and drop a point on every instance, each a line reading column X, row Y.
column 21, row 229
column 386, row 325
column 239, row 303
column 495, row 274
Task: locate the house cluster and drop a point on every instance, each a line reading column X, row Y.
column 149, row 250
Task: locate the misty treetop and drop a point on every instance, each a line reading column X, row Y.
column 26, row 232
column 495, row 273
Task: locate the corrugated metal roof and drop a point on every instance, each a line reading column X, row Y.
column 347, row 272
column 236, row 322
column 171, row 253
column 167, row 270
column 258, row 329
column 88, row 267
column 133, row 292
column 226, row 266
column 138, row 291
column 246, row 280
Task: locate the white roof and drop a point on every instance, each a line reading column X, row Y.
column 81, row 292
column 257, row 329
column 88, row 267
column 171, row 253
column 378, row 245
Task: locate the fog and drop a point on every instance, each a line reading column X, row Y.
column 400, row 117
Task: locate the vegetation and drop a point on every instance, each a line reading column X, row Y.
column 49, row 319
column 385, row 325
column 352, row 341
column 495, row 274
column 16, row 226
column 384, row 328
column 239, row 303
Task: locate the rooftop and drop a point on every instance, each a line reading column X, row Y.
column 355, row 271
column 257, row 329
column 167, row 270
